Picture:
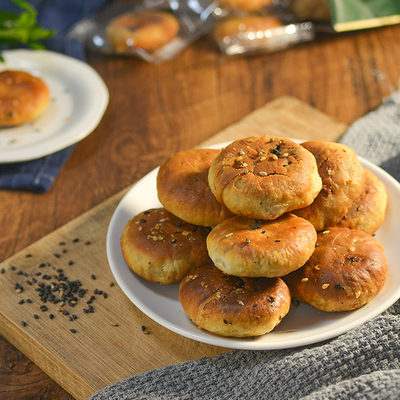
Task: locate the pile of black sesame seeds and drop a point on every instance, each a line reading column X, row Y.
column 54, row 289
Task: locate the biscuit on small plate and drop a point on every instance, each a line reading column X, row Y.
column 23, row 97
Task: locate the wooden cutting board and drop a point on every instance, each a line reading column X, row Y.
column 116, row 340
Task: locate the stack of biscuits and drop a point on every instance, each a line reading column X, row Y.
column 246, row 229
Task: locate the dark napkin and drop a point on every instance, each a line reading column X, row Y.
column 363, row 363
column 38, row 175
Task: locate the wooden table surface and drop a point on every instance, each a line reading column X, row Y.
column 155, row 111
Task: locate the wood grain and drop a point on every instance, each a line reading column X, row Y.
column 157, row 110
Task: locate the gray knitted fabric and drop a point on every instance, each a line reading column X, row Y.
column 361, row 364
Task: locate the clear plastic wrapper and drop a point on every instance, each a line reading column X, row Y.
column 248, row 34
column 155, row 30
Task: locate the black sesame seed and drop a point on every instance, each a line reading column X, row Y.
column 105, row 295
column 271, row 299
column 316, row 244
column 339, row 286
column 71, row 263
column 245, row 172
column 277, row 241
column 173, row 241
column 72, row 330
column 146, row 212
column 88, row 243
column 28, row 255
column 19, row 273
column 255, row 226
column 35, row 316
column 255, row 305
column 23, row 323
column 354, row 259
column 225, row 321
column 62, row 243
column 21, row 301
column 65, row 251
column 143, row 221
column 51, row 316
column 93, row 276
column 42, row 265
column 57, row 255
column 2, row 271
column 43, row 308
column 13, row 268
column 76, row 240
column 29, row 301
column 112, row 284
column 65, row 312
column 143, row 328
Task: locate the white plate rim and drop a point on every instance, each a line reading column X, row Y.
column 98, row 106
column 245, row 343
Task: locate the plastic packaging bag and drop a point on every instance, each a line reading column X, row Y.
column 155, row 30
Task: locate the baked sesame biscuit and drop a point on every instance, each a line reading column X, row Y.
column 346, row 271
column 263, row 177
column 145, row 30
column 161, row 247
column 233, row 27
column 245, row 5
column 23, row 97
column 182, row 188
column 343, row 179
column 232, row 306
column 254, row 248
column 368, row 212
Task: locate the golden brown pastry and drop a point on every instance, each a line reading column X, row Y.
column 244, row 5
column 234, row 27
column 161, row 247
column 253, row 248
column 182, row 187
column 368, row 212
column 311, row 9
column 347, row 269
column 342, row 183
column 23, row 97
column 263, row 177
column 232, row 306
column 146, row 30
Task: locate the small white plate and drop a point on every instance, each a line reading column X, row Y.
column 79, row 98
column 303, row 325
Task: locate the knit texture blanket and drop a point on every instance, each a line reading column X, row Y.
column 363, row 363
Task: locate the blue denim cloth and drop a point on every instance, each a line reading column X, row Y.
column 39, row 175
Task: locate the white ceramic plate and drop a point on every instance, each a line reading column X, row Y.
column 303, row 324
column 79, row 98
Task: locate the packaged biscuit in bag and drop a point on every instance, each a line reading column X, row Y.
column 259, row 32
column 155, row 30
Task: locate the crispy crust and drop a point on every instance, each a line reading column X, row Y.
column 146, row 30
column 347, row 269
column 264, row 177
column 244, row 247
column 182, row 187
column 23, row 97
column 232, row 306
column 161, row 247
column 245, row 5
column 231, row 27
column 342, row 182
column 368, row 212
